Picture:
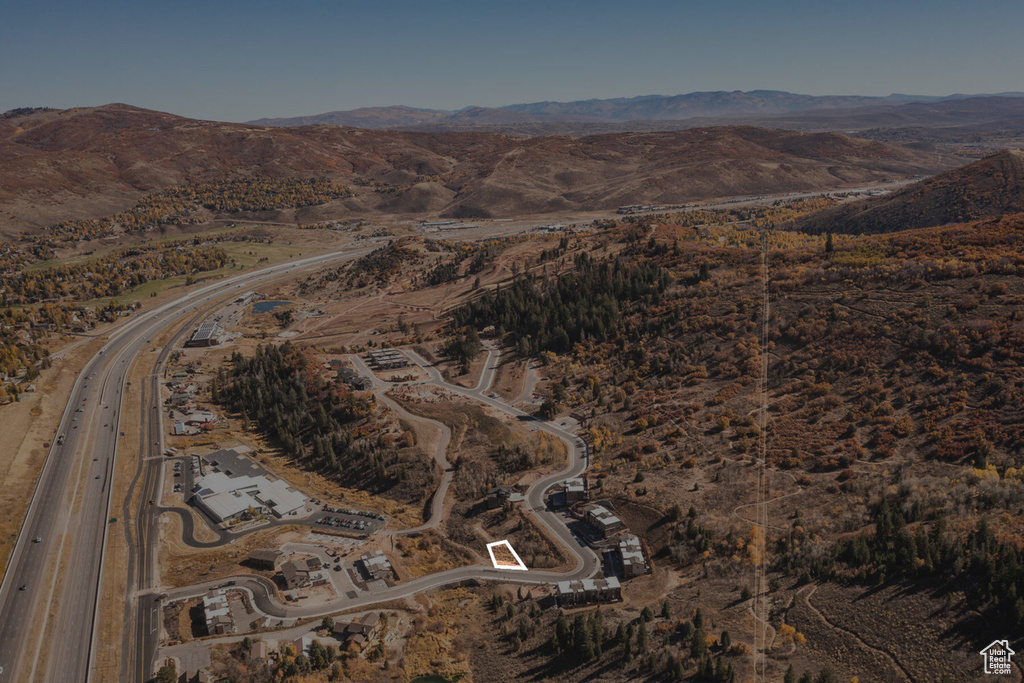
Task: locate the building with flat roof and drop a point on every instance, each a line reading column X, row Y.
column 631, row 556
column 208, row 333
column 601, row 520
column 587, row 591
column 569, row 491
column 236, row 486
column 388, row 359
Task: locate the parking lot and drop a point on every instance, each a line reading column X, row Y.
column 185, row 471
column 353, row 521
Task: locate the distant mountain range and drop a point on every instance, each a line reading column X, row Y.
column 664, row 111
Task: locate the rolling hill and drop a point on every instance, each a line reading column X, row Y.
column 82, row 163
column 986, row 188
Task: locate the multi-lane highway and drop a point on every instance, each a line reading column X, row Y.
column 49, row 594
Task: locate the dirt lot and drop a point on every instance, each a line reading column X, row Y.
column 182, row 565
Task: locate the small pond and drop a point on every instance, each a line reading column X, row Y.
column 264, row 306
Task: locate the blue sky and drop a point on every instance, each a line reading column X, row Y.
column 234, row 61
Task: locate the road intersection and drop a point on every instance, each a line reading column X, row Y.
column 62, row 573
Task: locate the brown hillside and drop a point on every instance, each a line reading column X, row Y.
column 82, row 163
column 992, row 186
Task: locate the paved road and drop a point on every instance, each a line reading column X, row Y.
column 435, row 506
column 578, row 461
column 587, row 562
column 140, row 643
column 61, row 573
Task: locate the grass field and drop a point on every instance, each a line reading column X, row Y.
column 244, row 255
column 109, row 249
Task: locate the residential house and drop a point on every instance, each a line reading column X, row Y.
column 267, row 558
column 587, row 591
column 498, row 496
column 631, row 556
column 296, row 574
column 217, row 613
column 376, row 566
column 601, row 520
column 356, row 635
column 259, row 650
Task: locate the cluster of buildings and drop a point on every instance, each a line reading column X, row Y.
column 639, row 208
column 625, row 551
column 194, row 418
column 629, row 550
column 208, row 333
column 295, row 572
column 182, row 394
column 388, row 359
column 237, row 488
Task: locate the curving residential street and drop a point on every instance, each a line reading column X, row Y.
column 587, row 562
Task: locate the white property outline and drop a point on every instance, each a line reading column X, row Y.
column 490, row 549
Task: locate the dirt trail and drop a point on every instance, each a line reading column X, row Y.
column 885, row 653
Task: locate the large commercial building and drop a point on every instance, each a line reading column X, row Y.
column 237, row 486
column 207, row 334
column 227, row 498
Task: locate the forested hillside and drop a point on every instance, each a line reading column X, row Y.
column 588, row 303
column 321, row 424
